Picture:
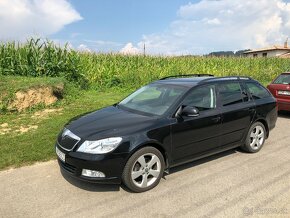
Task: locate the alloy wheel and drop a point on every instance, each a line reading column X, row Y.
column 146, row 170
column 257, row 137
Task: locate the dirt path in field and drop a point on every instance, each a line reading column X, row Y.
column 6, row 128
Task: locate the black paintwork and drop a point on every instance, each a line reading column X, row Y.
column 180, row 139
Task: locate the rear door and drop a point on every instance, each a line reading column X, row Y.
column 237, row 111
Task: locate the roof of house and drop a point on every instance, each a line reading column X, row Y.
column 271, row 48
column 286, row 55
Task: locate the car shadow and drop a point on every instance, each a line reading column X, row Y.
column 92, row 187
column 203, row 160
column 284, row 114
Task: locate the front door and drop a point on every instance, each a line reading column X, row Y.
column 192, row 136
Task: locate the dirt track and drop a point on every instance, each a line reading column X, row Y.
column 231, row 184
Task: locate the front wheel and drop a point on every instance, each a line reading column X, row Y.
column 255, row 138
column 144, row 169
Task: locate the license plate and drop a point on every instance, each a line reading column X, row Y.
column 60, row 154
column 283, row 92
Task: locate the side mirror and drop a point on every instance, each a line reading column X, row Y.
column 190, row 111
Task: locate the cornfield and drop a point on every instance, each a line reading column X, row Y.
column 40, row 58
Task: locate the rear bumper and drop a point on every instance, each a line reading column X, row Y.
column 283, row 105
column 111, row 165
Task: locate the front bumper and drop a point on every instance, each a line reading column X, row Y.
column 111, row 165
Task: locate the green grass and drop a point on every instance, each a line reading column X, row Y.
column 17, row 83
column 38, row 145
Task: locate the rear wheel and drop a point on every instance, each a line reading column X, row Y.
column 144, row 169
column 255, row 138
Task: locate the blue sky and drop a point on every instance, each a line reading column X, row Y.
column 121, row 21
column 175, row 27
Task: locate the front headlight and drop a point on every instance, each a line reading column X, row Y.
column 101, row 146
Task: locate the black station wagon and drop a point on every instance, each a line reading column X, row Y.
column 169, row 122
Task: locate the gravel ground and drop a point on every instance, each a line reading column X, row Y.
column 230, row 184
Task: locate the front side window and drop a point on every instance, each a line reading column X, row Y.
column 283, row 79
column 203, row 98
column 230, row 93
column 257, row 91
column 153, row 99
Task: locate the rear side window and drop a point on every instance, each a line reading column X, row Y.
column 257, row 91
column 230, row 93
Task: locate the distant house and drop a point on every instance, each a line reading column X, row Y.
column 274, row 51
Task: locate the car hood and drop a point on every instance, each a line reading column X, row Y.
column 108, row 122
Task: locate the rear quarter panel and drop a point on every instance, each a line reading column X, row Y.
column 266, row 109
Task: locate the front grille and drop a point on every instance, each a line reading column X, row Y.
column 67, row 142
column 67, row 167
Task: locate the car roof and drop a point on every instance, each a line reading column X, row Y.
column 192, row 81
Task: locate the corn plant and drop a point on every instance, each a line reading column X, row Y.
column 39, row 58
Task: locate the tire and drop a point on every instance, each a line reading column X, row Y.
column 255, row 139
column 144, row 169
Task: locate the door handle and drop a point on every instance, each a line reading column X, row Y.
column 216, row 119
column 249, row 109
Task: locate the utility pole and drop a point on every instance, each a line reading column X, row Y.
column 286, row 43
column 144, row 50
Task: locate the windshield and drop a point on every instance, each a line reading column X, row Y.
column 153, row 99
column 283, row 79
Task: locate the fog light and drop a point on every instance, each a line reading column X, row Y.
column 92, row 173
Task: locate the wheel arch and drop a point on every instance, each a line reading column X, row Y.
column 155, row 145
column 264, row 122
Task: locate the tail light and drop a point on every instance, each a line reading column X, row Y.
column 272, row 90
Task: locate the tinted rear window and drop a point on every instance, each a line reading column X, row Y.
column 257, row 91
column 230, row 93
column 282, row 79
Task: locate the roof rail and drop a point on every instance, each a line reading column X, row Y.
column 228, row 78
column 187, row 75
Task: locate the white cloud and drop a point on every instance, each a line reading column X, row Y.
column 84, row 48
column 129, row 49
column 102, row 46
column 102, row 42
column 20, row 19
column 212, row 25
column 88, row 45
column 214, row 21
